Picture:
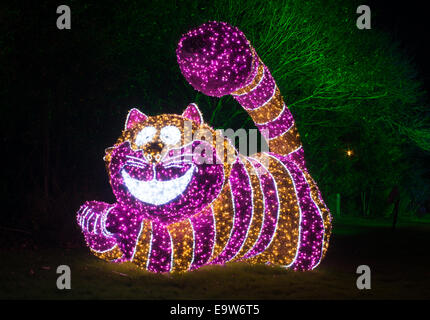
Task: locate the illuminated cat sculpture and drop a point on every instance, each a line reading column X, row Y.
column 175, row 212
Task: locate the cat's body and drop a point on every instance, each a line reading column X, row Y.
column 175, row 213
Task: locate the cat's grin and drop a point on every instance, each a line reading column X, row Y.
column 157, row 192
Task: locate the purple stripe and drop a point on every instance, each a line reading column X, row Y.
column 204, row 238
column 297, row 157
column 242, row 201
column 260, row 95
column 126, row 228
column 271, row 207
column 312, row 227
column 278, row 126
column 161, row 249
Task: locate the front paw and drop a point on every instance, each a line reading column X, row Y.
column 92, row 218
column 215, row 58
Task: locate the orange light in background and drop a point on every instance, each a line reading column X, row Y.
column 349, row 153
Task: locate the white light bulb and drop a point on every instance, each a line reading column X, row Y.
column 145, row 136
column 170, row 135
column 157, row 192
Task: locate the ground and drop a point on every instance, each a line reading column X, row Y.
column 399, row 261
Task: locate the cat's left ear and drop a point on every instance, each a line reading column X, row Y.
column 193, row 113
column 134, row 116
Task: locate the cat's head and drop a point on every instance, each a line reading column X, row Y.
column 168, row 167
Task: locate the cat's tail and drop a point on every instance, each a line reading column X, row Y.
column 217, row 59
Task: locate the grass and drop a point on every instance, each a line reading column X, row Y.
column 399, row 261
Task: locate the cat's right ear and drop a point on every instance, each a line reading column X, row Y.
column 193, row 113
column 134, row 116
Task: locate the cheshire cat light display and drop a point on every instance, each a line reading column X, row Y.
column 174, row 213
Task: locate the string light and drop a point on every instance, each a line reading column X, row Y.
column 175, row 213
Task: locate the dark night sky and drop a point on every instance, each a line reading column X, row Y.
column 408, row 22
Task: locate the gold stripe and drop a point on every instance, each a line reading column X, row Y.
column 112, row 254
column 286, row 143
column 269, row 111
column 183, row 241
column 283, row 247
column 225, row 150
column 257, row 217
column 143, row 245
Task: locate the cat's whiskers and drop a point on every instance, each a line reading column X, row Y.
column 134, row 164
column 183, row 158
column 140, row 160
column 175, row 164
column 185, row 150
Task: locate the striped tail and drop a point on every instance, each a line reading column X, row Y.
column 263, row 101
column 218, row 60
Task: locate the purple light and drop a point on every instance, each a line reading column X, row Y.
column 215, row 58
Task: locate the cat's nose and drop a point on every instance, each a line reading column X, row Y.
column 153, row 152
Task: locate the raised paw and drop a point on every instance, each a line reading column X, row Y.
column 92, row 220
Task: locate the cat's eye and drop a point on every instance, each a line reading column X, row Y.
column 145, row 135
column 170, row 135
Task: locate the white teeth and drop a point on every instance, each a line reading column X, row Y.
column 157, row 192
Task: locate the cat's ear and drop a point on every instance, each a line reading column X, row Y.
column 193, row 113
column 134, row 116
